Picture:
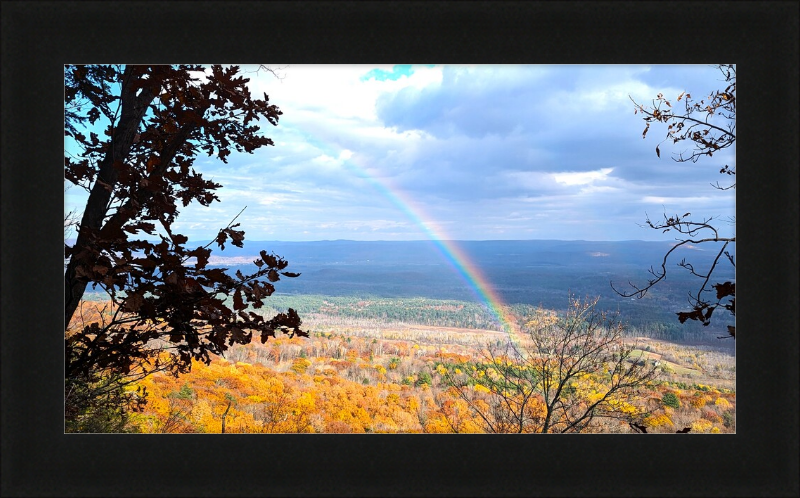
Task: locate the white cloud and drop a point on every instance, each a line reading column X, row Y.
column 674, row 200
column 582, row 177
column 334, row 90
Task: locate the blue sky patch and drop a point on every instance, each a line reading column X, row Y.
column 397, row 71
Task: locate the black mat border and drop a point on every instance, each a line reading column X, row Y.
column 39, row 37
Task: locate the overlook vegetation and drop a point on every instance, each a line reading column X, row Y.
column 386, row 366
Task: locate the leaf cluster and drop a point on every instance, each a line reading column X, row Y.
column 710, row 124
column 158, row 297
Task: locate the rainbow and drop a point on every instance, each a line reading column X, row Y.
column 454, row 255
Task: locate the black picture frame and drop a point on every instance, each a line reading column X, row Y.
column 39, row 460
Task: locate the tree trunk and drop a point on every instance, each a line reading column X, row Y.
column 132, row 111
column 225, row 416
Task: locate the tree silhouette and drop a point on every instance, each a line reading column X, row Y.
column 567, row 373
column 139, row 130
column 709, row 126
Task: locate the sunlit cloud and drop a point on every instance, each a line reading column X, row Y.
column 674, row 200
column 582, row 178
column 479, row 152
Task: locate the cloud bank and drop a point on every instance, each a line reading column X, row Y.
column 461, row 152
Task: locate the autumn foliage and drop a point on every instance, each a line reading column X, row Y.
column 337, row 382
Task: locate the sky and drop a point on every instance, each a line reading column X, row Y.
column 415, row 152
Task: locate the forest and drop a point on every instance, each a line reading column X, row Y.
column 381, row 366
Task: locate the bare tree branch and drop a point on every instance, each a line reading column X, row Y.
column 707, row 138
column 573, row 370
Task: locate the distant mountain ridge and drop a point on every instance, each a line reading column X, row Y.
column 505, row 252
column 536, row 272
column 489, row 253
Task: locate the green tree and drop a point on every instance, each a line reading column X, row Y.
column 186, row 392
column 671, row 400
column 423, row 378
column 139, row 130
column 708, row 126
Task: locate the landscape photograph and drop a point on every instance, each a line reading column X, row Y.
column 400, row 249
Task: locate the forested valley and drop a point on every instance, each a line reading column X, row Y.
column 385, row 365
